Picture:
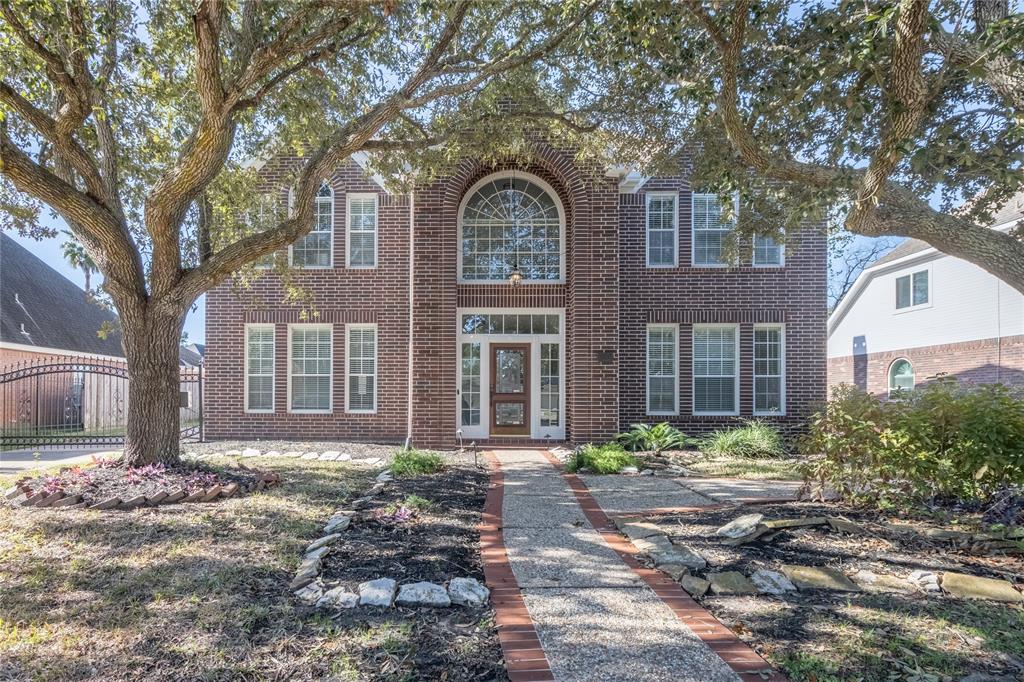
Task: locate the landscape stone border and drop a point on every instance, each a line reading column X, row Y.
column 20, row 495
column 308, row 585
column 324, row 456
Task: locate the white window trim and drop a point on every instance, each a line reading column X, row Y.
column 675, row 229
column 273, row 199
column 330, row 384
column 889, row 390
column 348, row 229
column 647, row 371
column 376, row 365
column 693, row 230
column 291, row 211
column 781, row 412
column 693, row 374
column 769, row 266
column 273, row 373
column 561, row 227
column 920, row 306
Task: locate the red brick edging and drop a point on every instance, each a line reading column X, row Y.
column 520, row 646
column 720, row 639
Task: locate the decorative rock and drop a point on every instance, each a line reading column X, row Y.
column 300, row 581
column 926, row 580
column 327, row 457
column 174, row 496
column 31, row 500
column 653, row 543
column 674, row 571
column 12, row 492
column 647, row 472
column 338, row 598
column 423, row 594
column 740, row 526
column 51, row 498
column 317, row 553
column 212, row 494
column 310, row 593
column 679, row 554
column 133, row 503
column 337, row 522
column 639, row 530
column 771, row 582
column 629, row 470
column 67, row 501
column 325, row 540
column 844, row 526
column 468, row 592
column 974, row 587
column 154, row 500
column 311, row 455
column 731, row 582
column 875, row 582
column 251, row 452
column 292, row 454
column 777, row 524
column 194, row 497
column 272, row 453
column 819, row 578
column 229, row 490
column 372, row 461
column 759, row 533
column 233, row 453
column 697, row 587
column 379, row 592
column 108, row 503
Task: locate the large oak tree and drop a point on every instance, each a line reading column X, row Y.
column 132, row 122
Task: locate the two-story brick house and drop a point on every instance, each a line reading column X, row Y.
column 627, row 311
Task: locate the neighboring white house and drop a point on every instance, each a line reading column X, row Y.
column 916, row 313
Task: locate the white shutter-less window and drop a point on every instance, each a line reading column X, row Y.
column 661, row 230
column 714, row 370
column 769, row 370
column 767, row 251
column 709, row 232
column 259, row 368
column 314, row 250
column 310, row 367
column 662, row 375
column 362, row 231
column 362, row 368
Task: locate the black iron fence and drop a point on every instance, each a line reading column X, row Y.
column 67, row 402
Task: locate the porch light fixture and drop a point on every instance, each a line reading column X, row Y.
column 516, row 277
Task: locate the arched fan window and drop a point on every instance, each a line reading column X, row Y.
column 510, row 222
column 901, row 376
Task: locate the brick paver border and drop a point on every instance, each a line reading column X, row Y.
column 720, row 639
column 524, row 656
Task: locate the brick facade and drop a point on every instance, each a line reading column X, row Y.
column 984, row 361
column 608, row 296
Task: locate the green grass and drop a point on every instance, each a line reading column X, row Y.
column 409, row 463
column 609, row 458
column 756, row 439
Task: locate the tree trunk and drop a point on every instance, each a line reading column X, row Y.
column 153, row 428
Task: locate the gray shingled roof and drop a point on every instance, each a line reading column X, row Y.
column 41, row 307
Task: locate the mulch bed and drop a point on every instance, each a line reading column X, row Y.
column 394, row 537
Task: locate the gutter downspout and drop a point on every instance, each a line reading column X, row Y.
column 412, row 281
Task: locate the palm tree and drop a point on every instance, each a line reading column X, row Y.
column 78, row 258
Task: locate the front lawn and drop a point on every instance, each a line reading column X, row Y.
column 193, row 591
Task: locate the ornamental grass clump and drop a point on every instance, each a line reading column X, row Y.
column 609, row 458
column 754, row 440
column 409, row 463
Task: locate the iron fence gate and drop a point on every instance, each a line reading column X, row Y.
column 65, row 402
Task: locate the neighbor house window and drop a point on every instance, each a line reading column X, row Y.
column 511, row 222
column 662, row 232
column 259, row 368
column 362, row 230
column 767, row 251
column 662, row 369
column 769, row 370
column 309, row 367
column 901, row 376
column 715, row 369
column 912, row 290
column 710, row 233
column 315, row 249
column 361, row 393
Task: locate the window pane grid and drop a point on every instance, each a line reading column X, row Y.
column 714, row 369
column 550, row 393
column 310, row 369
column 709, row 232
column 768, row 369
column 661, row 370
column 260, row 370
column 362, row 231
column 661, row 230
column 470, row 402
column 314, row 249
column 912, row 290
column 767, row 251
column 510, row 324
column 362, row 369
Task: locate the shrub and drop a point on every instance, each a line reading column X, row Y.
column 940, row 441
column 609, row 458
column 755, row 439
column 658, row 438
column 408, row 463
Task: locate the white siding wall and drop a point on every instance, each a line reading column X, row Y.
column 966, row 303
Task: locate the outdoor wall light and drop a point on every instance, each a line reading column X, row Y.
column 516, row 278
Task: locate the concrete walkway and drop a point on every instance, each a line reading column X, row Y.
column 595, row 618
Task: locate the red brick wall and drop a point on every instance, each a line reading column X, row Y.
column 985, row 361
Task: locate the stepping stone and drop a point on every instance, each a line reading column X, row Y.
column 317, row 553
column 844, row 526
column 338, row 598
column 423, row 594
column 379, row 592
column 945, row 535
column 679, row 554
column 325, row 540
column 926, row 580
column 328, row 457
column 760, row 532
column 637, row 530
column 251, row 452
column 310, row 594
column 880, row 582
column 731, row 582
column 652, row 544
column 272, row 453
column 771, row 582
column 233, row 453
column 628, row 470
column 974, row 587
column 343, row 457
column 819, row 578
column 740, row 526
column 372, row 461
column 311, row 455
column 777, row 524
column 292, row 453
column 674, row 571
column 697, row 587
column 467, row 592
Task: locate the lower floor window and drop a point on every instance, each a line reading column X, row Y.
column 662, row 376
column 715, row 367
column 469, row 401
column 361, row 395
column 901, row 376
column 259, row 368
column 769, row 374
column 549, row 385
column 309, row 368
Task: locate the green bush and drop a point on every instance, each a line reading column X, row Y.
column 658, row 438
column 939, row 441
column 754, row 440
column 609, row 458
column 408, row 463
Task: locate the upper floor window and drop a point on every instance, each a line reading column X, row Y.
column 901, row 376
column 710, row 232
column 361, row 231
column 315, row 249
column 767, row 251
column 662, row 234
column 912, row 290
column 511, row 221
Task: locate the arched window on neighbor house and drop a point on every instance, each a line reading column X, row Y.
column 901, row 376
